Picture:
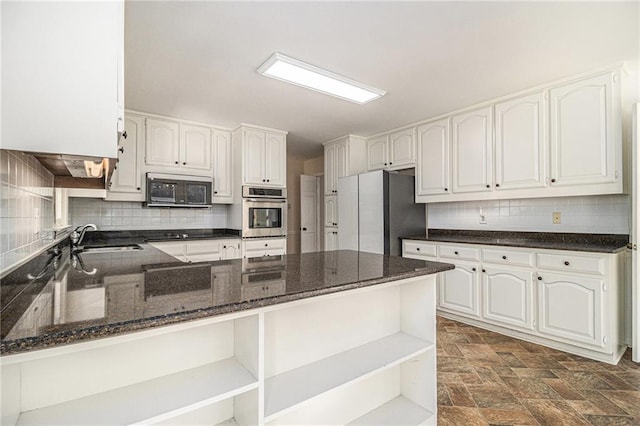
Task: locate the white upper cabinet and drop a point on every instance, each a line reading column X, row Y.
column 343, row 157
column 177, row 148
column 432, row 167
column 127, row 181
column 163, row 143
column 264, row 157
column 585, row 131
column 521, row 142
column 195, row 147
column 377, row 153
column 394, row 151
column 222, row 167
column 62, row 77
column 472, row 151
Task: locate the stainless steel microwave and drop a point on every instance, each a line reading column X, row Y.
column 166, row 190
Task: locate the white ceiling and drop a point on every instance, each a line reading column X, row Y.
column 198, row 60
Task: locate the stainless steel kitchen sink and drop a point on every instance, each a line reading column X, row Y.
column 110, row 249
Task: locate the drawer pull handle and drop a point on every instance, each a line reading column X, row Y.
column 566, row 263
column 504, row 257
column 539, row 278
column 418, row 248
column 484, row 270
column 455, row 252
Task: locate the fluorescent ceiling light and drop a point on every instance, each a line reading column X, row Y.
column 296, row 72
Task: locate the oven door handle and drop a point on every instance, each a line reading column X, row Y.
column 265, row 200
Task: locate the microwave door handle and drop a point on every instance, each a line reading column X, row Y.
column 264, row 200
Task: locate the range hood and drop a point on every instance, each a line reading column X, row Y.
column 73, row 171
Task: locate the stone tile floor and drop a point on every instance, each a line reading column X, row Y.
column 485, row 378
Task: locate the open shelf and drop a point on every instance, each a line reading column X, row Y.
column 398, row 411
column 285, row 391
column 153, row 400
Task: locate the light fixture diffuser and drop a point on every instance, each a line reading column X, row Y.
column 296, row 72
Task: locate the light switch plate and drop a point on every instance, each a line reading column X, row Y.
column 557, row 217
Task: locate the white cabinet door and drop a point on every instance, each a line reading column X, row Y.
column 330, row 239
column 458, row 290
column 127, row 175
column 521, row 142
column 508, row 297
column 330, row 170
column 584, row 122
column 432, row 168
column 195, row 147
column 222, row 167
column 275, row 160
column 472, row 151
column 402, row 149
column 571, row 308
column 163, row 143
column 341, row 161
column 254, row 155
column 231, row 249
column 377, row 153
column 331, row 210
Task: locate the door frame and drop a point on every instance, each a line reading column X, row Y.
column 635, row 231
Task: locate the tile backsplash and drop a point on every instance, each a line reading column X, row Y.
column 602, row 214
column 125, row 215
column 26, row 207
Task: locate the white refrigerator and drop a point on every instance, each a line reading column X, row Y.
column 375, row 209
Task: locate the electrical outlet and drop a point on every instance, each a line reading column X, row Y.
column 557, row 216
column 483, row 218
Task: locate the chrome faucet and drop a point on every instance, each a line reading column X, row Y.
column 78, row 234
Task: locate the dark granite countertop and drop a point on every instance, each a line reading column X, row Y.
column 107, row 238
column 61, row 298
column 597, row 243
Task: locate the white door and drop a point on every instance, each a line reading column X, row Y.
column 127, row 176
column 402, row 149
column 508, row 297
column 222, row 178
column 163, row 143
column 254, row 157
column 377, row 153
column 582, row 127
column 195, row 147
column 635, row 239
column 432, row 168
column 570, row 308
column 276, row 159
column 472, row 151
column 458, row 290
column 521, row 142
column 308, row 214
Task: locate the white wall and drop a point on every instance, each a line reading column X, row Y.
column 25, row 186
column 117, row 215
column 604, row 214
column 295, row 168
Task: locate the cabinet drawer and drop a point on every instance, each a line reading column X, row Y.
column 202, row 247
column 457, row 252
column 204, row 257
column 262, row 290
column 573, row 263
column 508, row 257
column 264, row 244
column 419, row 248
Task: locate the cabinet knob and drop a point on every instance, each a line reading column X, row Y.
column 177, row 162
column 335, row 232
column 446, row 189
column 215, row 192
column 566, row 263
column 224, row 246
column 121, row 149
column 335, row 223
column 504, row 257
column 268, row 180
column 473, row 269
column 390, row 164
column 539, row 278
column 184, row 163
column 385, row 164
column 266, row 245
column 488, row 186
column 553, row 181
column 304, row 229
column 418, row 248
column 263, row 180
column 456, row 253
column 124, row 134
column 484, row 270
column 497, row 185
column 138, row 188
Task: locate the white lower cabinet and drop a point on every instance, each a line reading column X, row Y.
column 571, row 308
column 571, row 301
column 330, row 239
column 370, row 359
column 264, row 247
column 458, row 290
column 201, row 250
column 508, row 297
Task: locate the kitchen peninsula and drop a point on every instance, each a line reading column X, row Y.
column 335, row 337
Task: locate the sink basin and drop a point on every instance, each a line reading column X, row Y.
column 110, row 249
